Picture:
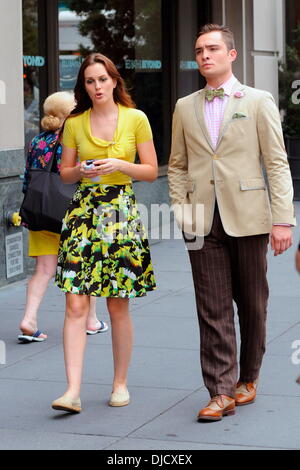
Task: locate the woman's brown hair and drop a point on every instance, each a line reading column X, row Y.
column 120, row 94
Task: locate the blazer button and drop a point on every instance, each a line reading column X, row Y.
column 215, row 156
column 212, row 182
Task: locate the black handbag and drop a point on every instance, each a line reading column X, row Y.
column 46, row 199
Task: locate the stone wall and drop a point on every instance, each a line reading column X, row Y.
column 11, row 196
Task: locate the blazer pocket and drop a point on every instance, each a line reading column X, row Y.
column 240, row 118
column 251, row 184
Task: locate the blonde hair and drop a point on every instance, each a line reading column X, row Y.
column 57, row 108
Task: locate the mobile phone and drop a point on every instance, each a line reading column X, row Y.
column 89, row 163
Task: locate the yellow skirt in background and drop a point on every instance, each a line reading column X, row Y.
column 43, row 242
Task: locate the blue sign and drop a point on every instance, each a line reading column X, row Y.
column 33, row 60
column 188, row 65
column 68, row 70
column 143, row 64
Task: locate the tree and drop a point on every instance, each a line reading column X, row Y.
column 30, row 27
column 128, row 30
column 116, row 29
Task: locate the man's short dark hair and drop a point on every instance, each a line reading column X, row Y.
column 227, row 34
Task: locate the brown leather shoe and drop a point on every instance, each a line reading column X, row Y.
column 219, row 406
column 245, row 393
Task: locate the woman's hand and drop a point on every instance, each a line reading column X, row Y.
column 87, row 171
column 146, row 170
column 106, row 166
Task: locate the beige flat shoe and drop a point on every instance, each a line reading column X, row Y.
column 67, row 404
column 119, row 398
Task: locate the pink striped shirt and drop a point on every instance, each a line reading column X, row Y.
column 214, row 110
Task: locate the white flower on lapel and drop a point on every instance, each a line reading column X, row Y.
column 239, row 94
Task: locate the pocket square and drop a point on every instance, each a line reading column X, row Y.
column 238, row 115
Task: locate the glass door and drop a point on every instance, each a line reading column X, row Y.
column 129, row 32
column 32, row 63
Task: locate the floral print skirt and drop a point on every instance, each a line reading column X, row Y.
column 104, row 249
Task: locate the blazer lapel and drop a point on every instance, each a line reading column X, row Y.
column 230, row 109
column 199, row 107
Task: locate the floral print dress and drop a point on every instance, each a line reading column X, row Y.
column 39, row 154
column 104, row 250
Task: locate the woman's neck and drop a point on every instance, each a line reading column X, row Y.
column 105, row 109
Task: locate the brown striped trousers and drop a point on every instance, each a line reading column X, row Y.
column 230, row 269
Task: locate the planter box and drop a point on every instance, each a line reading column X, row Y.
column 296, row 186
column 293, row 146
column 293, row 151
column 294, row 163
column 294, row 166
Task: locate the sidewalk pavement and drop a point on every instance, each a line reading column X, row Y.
column 164, row 380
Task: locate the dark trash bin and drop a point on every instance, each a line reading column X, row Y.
column 293, row 151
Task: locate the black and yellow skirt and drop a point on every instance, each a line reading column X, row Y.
column 104, row 249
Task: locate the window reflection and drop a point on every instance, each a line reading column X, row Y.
column 129, row 33
column 32, row 64
column 187, row 29
column 289, row 71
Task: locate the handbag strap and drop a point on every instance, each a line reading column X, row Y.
column 50, row 164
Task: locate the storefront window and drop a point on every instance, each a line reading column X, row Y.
column 289, row 72
column 188, row 26
column 33, row 63
column 129, row 33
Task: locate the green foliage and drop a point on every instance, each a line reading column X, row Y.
column 30, row 27
column 288, row 71
column 117, row 28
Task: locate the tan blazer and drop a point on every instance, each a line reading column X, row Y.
column 250, row 138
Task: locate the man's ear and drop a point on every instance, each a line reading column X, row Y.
column 232, row 55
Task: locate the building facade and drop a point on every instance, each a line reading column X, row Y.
column 152, row 43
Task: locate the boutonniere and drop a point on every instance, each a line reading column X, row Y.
column 239, row 94
column 239, row 115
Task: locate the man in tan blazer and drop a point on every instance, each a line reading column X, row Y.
column 223, row 136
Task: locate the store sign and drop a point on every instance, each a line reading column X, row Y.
column 69, row 67
column 33, row 60
column 14, row 254
column 2, row 92
column 188, row 65
column 143, row 64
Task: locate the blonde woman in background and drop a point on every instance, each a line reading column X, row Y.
column 43, row 245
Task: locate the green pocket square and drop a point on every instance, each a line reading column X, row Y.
column 238, row 115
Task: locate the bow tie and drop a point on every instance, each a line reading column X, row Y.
column 211, row 94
